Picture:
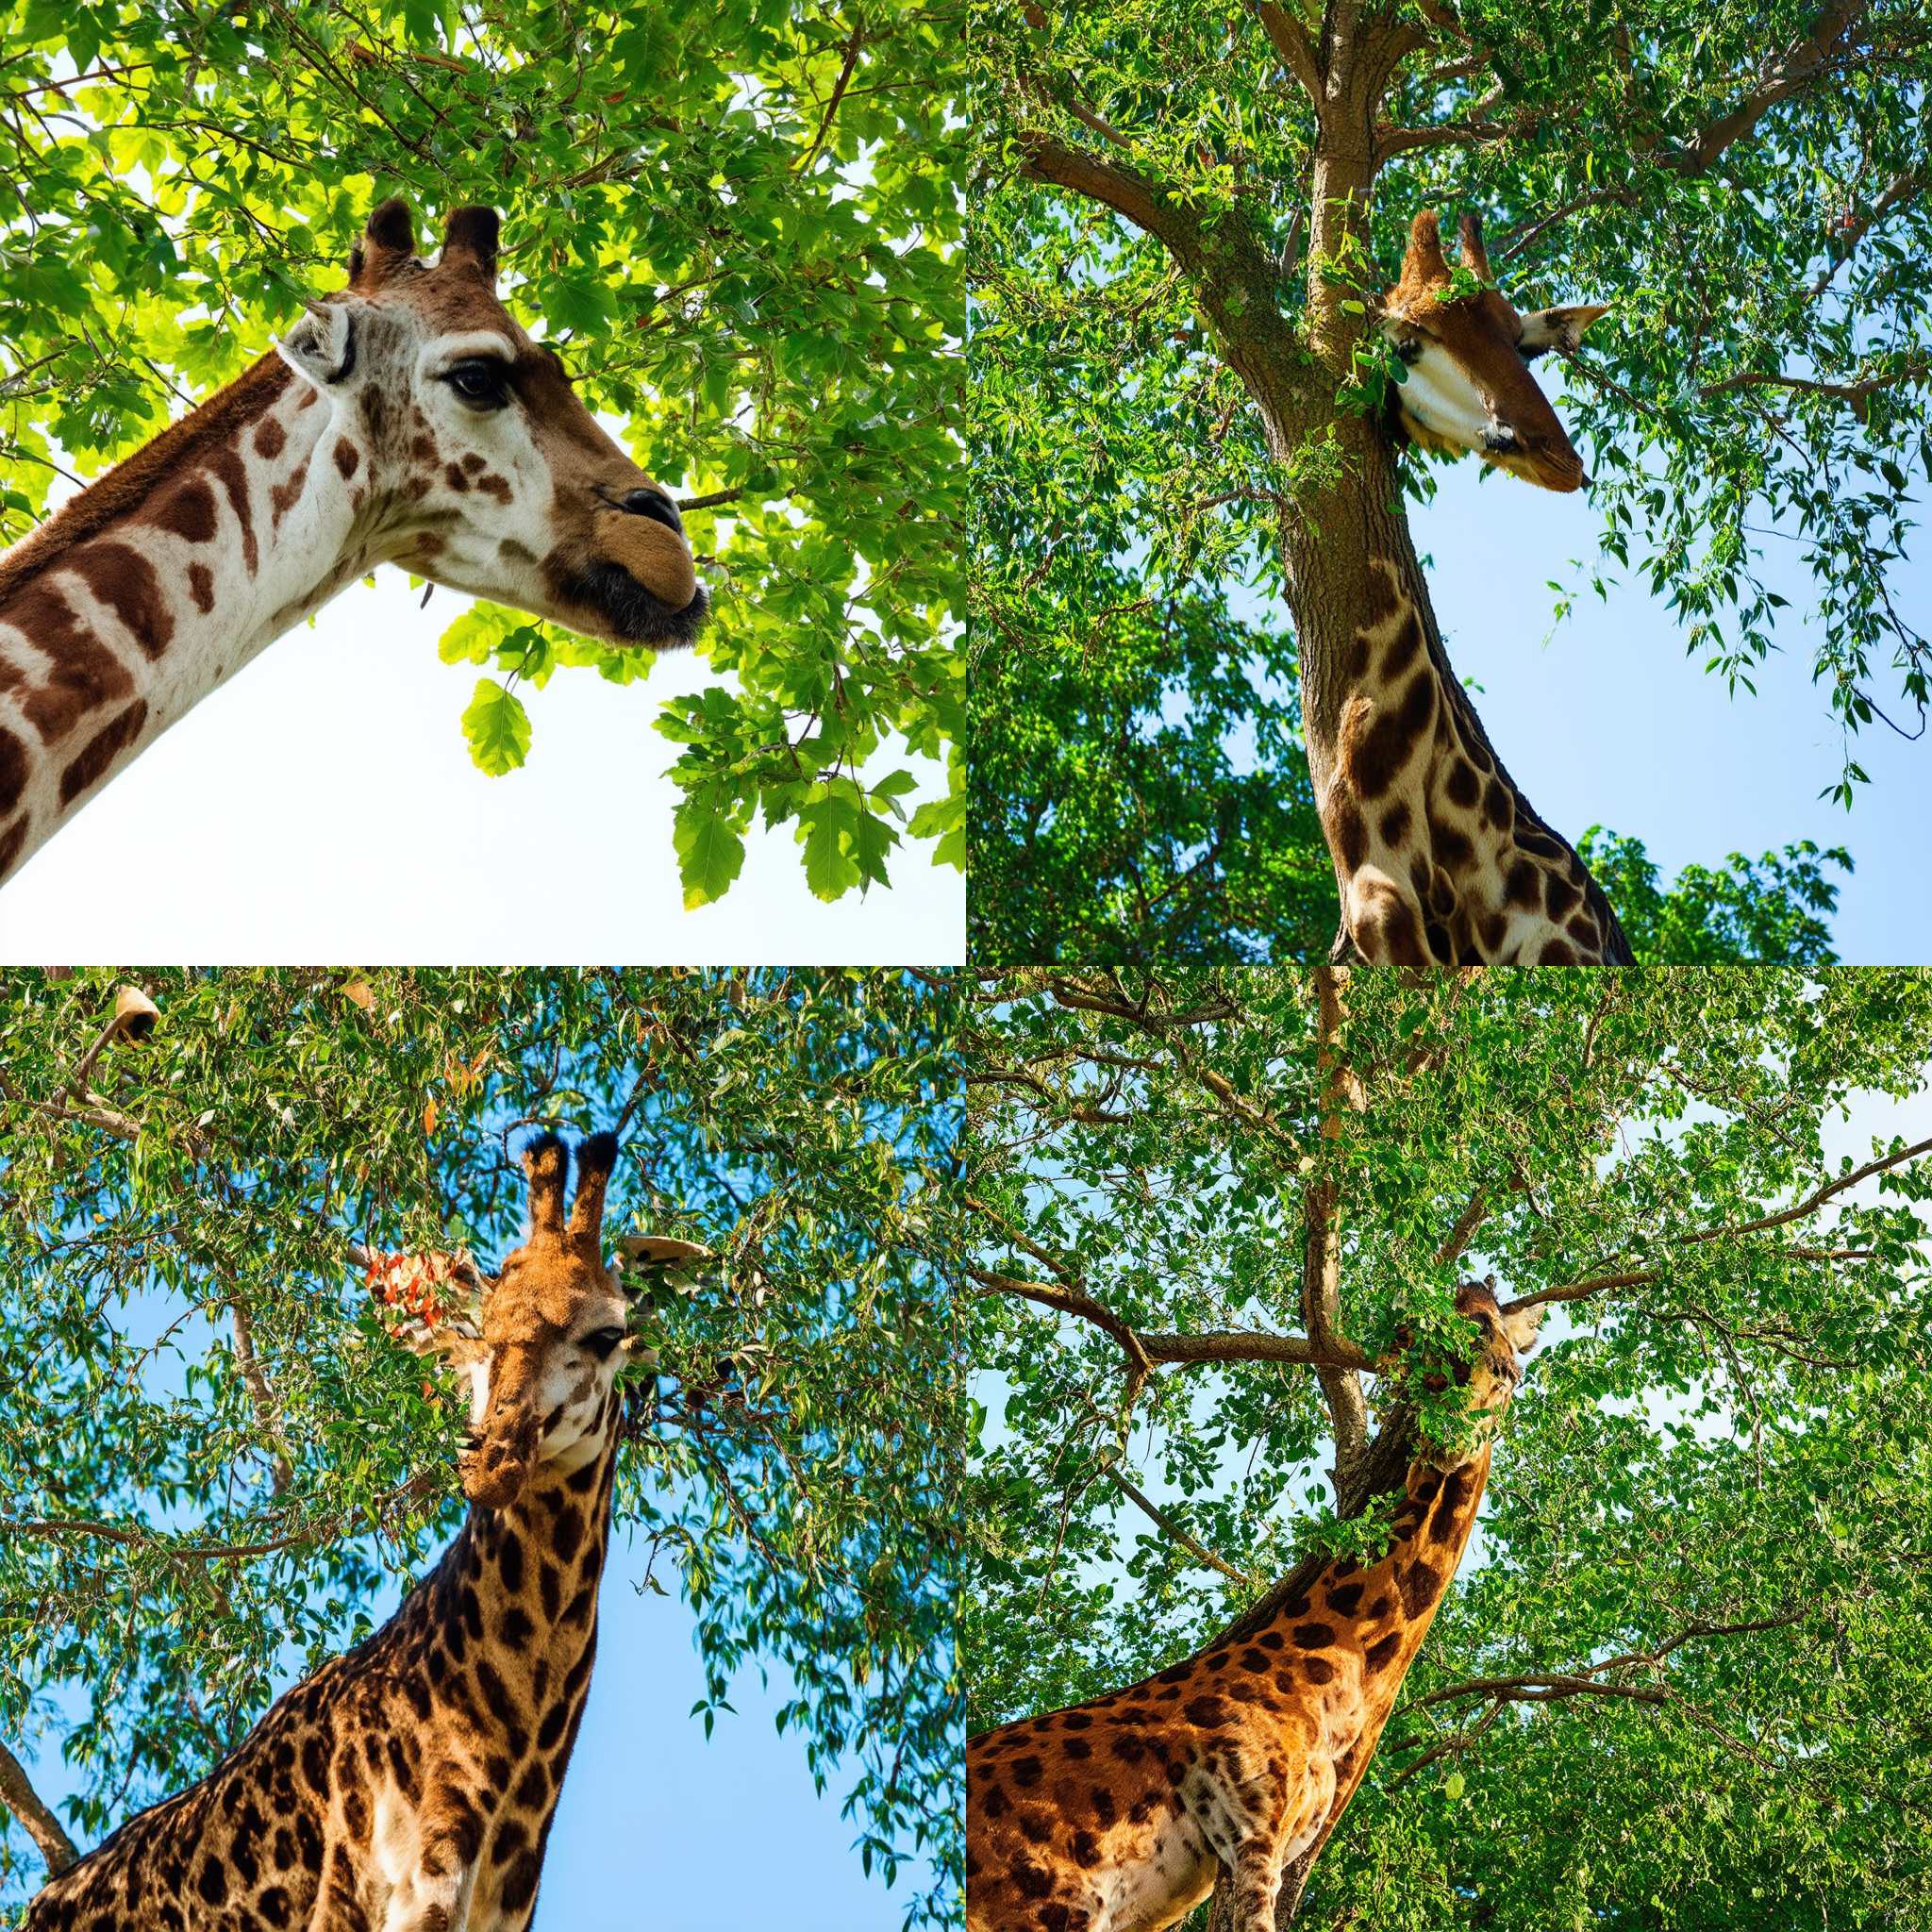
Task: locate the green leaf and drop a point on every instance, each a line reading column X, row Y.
column 496, row 727
column 825, row 828
column 711, row 852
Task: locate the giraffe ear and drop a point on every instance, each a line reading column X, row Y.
column 645, row 1258
column 1520, row 1325
column 471, row 236
column 1558, row 328
column 321, row 347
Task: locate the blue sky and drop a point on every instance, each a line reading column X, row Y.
column 1609, row 722
column 650, row 1808
column 657, row 1824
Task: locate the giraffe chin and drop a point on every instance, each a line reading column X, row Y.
column 494, row 1482
column 628, row 613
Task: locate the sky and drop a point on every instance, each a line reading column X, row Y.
column 323, row 805
column 655, row 1824
column 1609, row 722
column 650, row 1806
column 1870, row 1117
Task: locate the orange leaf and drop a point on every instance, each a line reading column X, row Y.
column 430, row 1117
column 358, row 989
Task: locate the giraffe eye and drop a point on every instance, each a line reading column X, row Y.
column 482, row 382
column 600, row 1342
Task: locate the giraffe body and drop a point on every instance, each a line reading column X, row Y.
column 409, row 1785
column 405, row 1786
column 1123, row 1814
column 1440, row 859
column 408, row 419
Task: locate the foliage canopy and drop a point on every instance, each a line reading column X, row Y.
column 739, row 224
column 1680, row 1679
column 190, row 1366
column 1178, row 215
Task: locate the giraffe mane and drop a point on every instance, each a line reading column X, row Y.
column 129, row 483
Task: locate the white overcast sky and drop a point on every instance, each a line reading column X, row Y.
column 323, row 805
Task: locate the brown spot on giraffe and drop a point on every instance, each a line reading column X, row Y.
column 1211, row 1787
column 1437, row 855
column 188, row 511
column 101, row 750
column 283, row 496
column 13, row 770
column 378, row 1783
column 85, row 676
column 126, row 582
column 227, row 469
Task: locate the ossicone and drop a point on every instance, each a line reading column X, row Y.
column 470, row 236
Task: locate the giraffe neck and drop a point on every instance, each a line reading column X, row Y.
column 123, row 611
column 1440, row 857
column 1386, row 1608
column 514, row 1604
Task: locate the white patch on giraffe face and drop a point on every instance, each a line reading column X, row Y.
column 1442, row 406
column 479, row 1390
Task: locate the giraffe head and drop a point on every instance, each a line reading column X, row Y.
column 471, row 459
column 543, row 1341
column 1489, row 1377
column 1469, row 384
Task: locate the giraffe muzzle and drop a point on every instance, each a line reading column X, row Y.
column 494, row 1471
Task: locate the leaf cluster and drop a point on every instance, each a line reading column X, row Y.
column 230, row 1461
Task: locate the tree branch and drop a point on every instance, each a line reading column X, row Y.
column 1913, row 368
column 1900, row 188
column 1112, row 184
column 18, row 1794
column 838, row 95
column 1199, row 1551
column 1639, row 1277
column 1068, row 1301
column 268, row 1414
column 1253, row 1345
column 1291, row 42
column 1321, row 1243
column 1802, row 65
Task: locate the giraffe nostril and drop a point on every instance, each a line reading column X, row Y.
column 655, row 505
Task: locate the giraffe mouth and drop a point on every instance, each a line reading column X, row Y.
column 632, row 614
column 495, row 1468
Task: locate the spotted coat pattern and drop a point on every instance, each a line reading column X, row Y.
column 348, row 447
column 1440, row 859
column 409, row 1785
column 1121, row 1813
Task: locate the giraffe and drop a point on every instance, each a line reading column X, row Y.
column 1439, row 857
column 407, row 418
column 409, row 1785
column 1120, row 1814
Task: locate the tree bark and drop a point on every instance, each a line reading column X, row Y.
column 18, row 1794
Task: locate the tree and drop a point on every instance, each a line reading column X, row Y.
column 1677, row 1684
column 210, row 1459
column 738, row 226
column 1183, row 227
